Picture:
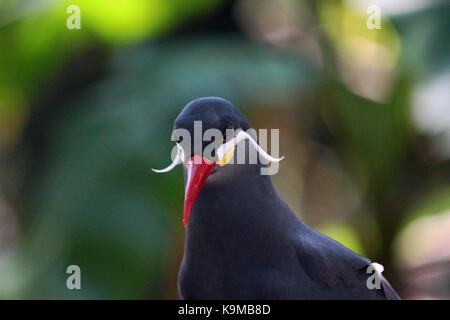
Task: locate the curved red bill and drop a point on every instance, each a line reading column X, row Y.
column 198, row 170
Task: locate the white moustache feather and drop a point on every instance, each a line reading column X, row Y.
column 223, row 150
column 175, row 162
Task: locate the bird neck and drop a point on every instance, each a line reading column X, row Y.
column 232, row 211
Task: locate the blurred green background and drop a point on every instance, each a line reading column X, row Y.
column 364, row 118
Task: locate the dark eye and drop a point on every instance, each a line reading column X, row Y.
column 228, row 126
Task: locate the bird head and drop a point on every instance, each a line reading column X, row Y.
column 206, row 133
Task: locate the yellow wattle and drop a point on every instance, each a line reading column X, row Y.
column 227, row 157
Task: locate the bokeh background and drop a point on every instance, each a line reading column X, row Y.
column 364, row 118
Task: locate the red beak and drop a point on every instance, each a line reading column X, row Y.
column 197, row 173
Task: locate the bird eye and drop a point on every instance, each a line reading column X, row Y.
column 227, row 131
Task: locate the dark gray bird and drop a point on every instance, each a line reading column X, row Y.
column 242, row 240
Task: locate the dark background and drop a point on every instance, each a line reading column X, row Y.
column 364, row 118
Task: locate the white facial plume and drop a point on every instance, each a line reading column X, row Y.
column 224, row 152
column 176, row 161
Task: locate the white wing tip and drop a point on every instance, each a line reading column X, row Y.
column 378, row 267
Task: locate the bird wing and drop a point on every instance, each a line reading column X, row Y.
column 329, row 263
column 389, row 292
